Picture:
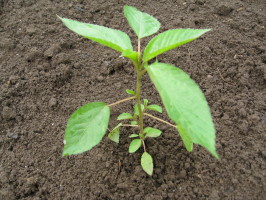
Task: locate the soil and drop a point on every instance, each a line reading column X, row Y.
column 47, row 72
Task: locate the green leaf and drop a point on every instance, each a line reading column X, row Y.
column 147, row 163
column 114, row 134
column 132, row 92
column 155, row 108
column 145, row 102
column 124, row 116
column 185, row 103
column 86, row 128
column 152, row 132
column 112, row 38
column 132, row 55
column 133, row 122
column 136, row 110
column 133, row 135
column 134, row 145
column 185, row 137
column 142, row 23
column 169, row 40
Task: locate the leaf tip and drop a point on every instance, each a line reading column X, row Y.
column 126, row 6
column 216, row 155
column 61, row 18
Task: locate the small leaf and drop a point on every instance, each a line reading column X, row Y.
column 185, row 104
column 152, row 132
column 124, row 116
column 86, row 128
column 136, row 109
column 133, row 122
column 145, row 101
column 134, row 145
column 112, row 38
column 147, row 163
column 142, row 23
column 169, row 40
column 134, row 135
column 155, row 108
column 114, row 134
column 185, row 137
column 132, row 92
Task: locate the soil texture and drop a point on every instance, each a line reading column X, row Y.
column 47, row 72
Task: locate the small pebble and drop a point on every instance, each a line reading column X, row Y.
column 118, row 85
column 52, row 102
column 242, row 112
column 13, row 79
column 33, row 54
column 223, row 10
column 100, row 78
column 12, row 135
column 8, row 113
column 183, row 174
column 52, row 50
column 106, row 63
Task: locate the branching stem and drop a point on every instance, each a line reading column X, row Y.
column 130, row 125
column 121, row 101
column 159, row 120
column 143, row 72
column 144, row 146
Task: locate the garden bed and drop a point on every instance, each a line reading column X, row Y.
column 47, row 72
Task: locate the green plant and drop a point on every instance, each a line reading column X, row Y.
column 183, row 100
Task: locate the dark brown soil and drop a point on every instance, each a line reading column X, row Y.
column 47, row 72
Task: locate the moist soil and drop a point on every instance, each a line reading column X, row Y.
column 47, row 72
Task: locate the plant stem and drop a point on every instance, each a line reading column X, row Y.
column 140, row 73
column 138, row 95
column 138, row 92
column 159, row 119
column 130, row 125
column 123, row 100
column 144, row 146
column 139, row 49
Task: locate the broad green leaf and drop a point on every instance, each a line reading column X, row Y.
column 185, row 137
column 132, row 55
column 147, row 163
column 133, row 122
column 169, row 40
column 124, row 116
column 86, row 128
column 136, row 109
column 152, row 132
column 134, row 145
column 112, row 38
column 114, row 134
column 132, row 92
column 145, row 102
column 185, row 103
column 133, row 135
column 142, row 23
column 155, row 108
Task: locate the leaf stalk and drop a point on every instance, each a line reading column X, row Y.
column 121, row 101
column 161, row 120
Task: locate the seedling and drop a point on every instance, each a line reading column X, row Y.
column 183, row 100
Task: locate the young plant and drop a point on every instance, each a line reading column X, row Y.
column 182, row 98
